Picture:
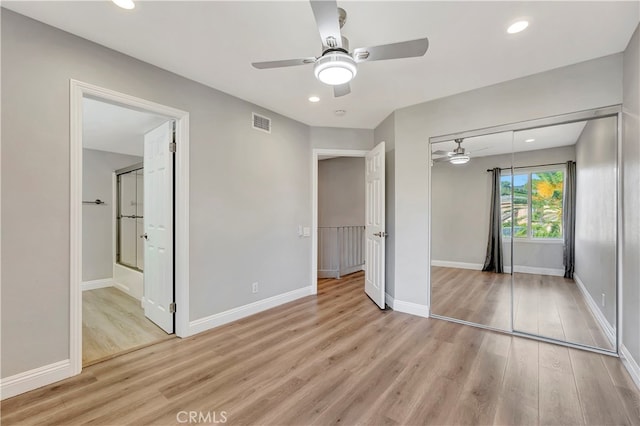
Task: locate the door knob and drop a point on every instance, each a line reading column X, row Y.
column 145, row 236
column 380, row 234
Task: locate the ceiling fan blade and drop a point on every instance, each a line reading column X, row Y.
column 440, row 152
column 341, row 90
column 284, row 63
column 404, row 49
column 326, row 15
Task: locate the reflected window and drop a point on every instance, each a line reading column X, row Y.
column 532, row 204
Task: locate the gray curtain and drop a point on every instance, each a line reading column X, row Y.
column 493, row 260
column 569, row 219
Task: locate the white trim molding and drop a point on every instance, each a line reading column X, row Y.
column 608, row 329
column 389, row 300
column 459, row 265
column 535, row 270
column 507, row 269
column 216, row 320
column 407, row 307
column 410, row 308
column 95, row 284
column 36, row 378
column 77, row 91
column 630, row 364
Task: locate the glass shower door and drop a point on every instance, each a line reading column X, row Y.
column 130, row 221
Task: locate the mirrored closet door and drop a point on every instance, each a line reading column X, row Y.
column 470, row 261
column 564, row 241
column 524, row 228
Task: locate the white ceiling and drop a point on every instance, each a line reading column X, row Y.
column 113, row 128
column 507, row 142
column 214, row 42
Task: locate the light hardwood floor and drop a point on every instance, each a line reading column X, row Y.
column 112, row 323
column 543, row 305
column 554, row 307
column 474, row 296
column 336, row 358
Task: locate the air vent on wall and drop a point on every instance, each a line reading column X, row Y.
column 260, row 122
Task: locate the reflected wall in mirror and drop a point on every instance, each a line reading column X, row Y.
column 563, row 221
column 461, row 208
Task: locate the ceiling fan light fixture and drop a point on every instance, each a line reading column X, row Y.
column 335, row 68
column 459, row 159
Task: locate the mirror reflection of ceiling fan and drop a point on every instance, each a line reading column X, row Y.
column 458, row 156
column 336, row 66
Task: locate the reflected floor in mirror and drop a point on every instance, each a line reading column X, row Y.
column 555, row 307
column 544, row 305
column 474, row 296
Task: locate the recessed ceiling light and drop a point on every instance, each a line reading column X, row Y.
column 529, row 140
column 340, row 112
column 516, row 27
column 314, row 99
column 125, row 4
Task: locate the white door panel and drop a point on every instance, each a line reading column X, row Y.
column 158, row 226
column 374, row 276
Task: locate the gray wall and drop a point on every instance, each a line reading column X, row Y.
column 385, row 131
column 577, row 87
column 97, row 220
column 631, row 198
column 341, row 192
column 595, row 262
column 249, row 190
column 339, row 138
column 461, row 197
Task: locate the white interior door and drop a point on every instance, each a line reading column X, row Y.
column 158, row 226
column 375, row 226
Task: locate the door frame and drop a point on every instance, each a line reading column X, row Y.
column 77, row 91
column 315, row 155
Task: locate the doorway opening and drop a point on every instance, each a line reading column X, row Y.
column 129, row 223
column 116, row 317
column 348, row 225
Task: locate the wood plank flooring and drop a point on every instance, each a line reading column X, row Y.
column 112, row 323
column 543, row 305
column 474, row 296
column 335, row 358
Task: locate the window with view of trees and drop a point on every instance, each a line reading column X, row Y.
column 536, row 211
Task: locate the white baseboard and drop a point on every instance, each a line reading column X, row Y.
column 216, row 320
column 389, row 300
column 535, row 270
column 407, row 307
column 459, row 265
column 507, row 269
column 595, row 310
column 95, row 284
column 36, row 378
column 630, row 364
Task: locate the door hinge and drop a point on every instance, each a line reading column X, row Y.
column 172, row 308
column 172, row 147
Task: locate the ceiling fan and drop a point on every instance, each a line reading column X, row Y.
column 457, row 156
column 336, row 66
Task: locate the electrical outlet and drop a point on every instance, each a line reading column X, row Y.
column 603, row 300
column 254, row 287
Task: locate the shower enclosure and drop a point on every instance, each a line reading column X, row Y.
column 129, row 219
